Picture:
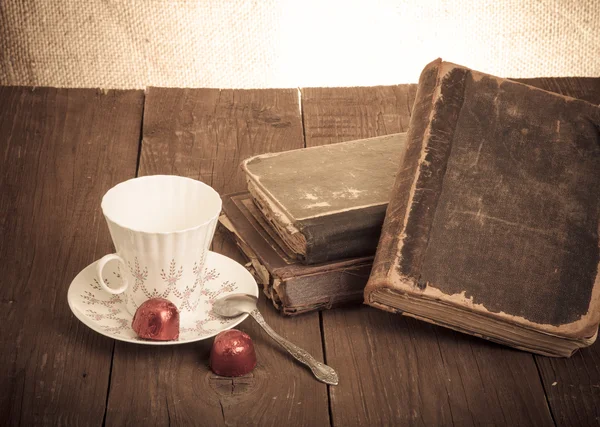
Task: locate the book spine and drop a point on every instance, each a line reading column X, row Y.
column 418, row 184
column 349, row 234
column 301, row 294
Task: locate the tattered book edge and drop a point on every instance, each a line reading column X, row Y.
column 567, row 353
column 444, row 69
column 279, row 213
column 254, row 266
column 281, row 222
column 583, row 329
column 273, row 286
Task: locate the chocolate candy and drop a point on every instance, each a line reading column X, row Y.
column 232, row 354
column 157, row 319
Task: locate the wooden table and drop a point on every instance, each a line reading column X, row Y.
column 61, row 149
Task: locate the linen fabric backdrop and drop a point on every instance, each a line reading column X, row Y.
column 261, row 44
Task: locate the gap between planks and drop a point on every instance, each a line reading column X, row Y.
column 137, row 168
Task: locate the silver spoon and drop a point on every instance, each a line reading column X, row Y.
column 235, row 304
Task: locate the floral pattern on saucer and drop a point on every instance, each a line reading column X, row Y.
column 107, row 314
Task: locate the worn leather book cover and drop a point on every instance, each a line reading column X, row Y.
column 492, row 225
column 327, row 203
column 294, row 288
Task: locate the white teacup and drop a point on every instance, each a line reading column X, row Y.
column 162, row 227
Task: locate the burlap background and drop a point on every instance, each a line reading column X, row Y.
column 212, row 43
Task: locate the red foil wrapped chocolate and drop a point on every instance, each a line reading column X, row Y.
column 157, row 319
column 232, row 354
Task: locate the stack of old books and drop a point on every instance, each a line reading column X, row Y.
column 310, row 221
column 490, row 206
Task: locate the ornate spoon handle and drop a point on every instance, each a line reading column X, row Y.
column 321, row 371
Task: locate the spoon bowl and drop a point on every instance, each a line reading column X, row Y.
column 234, row 305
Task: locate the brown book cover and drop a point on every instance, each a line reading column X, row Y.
column 492, row 225
column 293, row 287
column 328, row 202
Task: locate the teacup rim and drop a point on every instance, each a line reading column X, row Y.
column 162, row 233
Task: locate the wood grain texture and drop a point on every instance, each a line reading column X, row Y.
column 60, row 150
column 205, row 134
column 586, row 88
column 343, row 114
column 398, row 371
column 572, row 385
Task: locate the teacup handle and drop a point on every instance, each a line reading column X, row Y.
column 100, row 266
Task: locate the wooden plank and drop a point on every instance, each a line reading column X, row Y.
column 345, row 114
column 60, row 150
column 205, row 134
column 586, row 88
column 572, row 385
column 395, row 370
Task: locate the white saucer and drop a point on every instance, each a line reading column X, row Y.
column 107, row 315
